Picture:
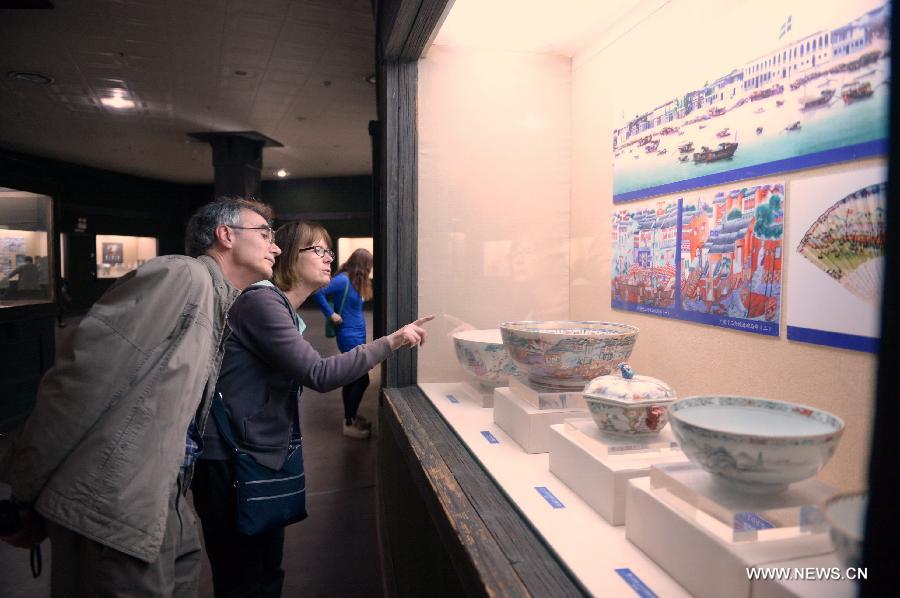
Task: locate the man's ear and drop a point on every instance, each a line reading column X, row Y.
column 225, row 236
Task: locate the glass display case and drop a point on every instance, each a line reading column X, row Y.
column 592, row 171
column 26, row 233
column 118, row 255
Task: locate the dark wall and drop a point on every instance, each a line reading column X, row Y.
column 343, row 205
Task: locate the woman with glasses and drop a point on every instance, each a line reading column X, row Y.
column 266, row 365
column 347, row 291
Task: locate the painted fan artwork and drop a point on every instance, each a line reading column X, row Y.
column 847, row 242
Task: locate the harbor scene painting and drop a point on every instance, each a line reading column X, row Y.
column 837, row 233
column 815, row 91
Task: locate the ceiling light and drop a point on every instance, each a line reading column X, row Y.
column 36, row 78
column 281, row 172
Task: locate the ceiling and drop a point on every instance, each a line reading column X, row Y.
column 293, row 70
column 563, row 27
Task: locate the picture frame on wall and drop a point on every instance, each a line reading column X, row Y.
column 113, row 253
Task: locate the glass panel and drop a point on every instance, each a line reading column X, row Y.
column 118, row 255
column 25, row 233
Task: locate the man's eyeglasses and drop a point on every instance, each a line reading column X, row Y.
column 267, row 233
column 319, row 251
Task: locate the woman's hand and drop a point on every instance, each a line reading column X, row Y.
column 337, row 319
column 410, row 335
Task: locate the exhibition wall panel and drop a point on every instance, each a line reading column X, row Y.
column 693, row 357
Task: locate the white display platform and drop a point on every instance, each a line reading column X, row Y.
column 546, row 397
column 596, row 553
column 528, row 425
column 480, row 393
column 597, row 466
column 741, row 517
column 690, row 545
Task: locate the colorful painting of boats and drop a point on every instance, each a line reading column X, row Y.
column 644, row 257
column 724, row 152
column 819, row 101
column 818, row 96
column 858, row 90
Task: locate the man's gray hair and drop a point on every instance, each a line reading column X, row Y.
column 201, row 228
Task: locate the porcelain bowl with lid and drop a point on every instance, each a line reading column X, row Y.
column 482, row 355
column 846, row 517
column 629, row 404
column 565, row 353
column 755, row 445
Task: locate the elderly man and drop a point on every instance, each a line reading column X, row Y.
column 105, row 458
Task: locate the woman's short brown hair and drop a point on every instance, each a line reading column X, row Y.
column 291, row 238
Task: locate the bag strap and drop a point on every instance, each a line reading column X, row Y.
column 220, row 415
column 344, row 298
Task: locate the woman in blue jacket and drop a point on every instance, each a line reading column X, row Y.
column 348, row 291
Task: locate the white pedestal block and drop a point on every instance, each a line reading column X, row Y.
column 696, row 548
column 481, row 394
column 546, row 397
column 525, row 423
column 597, row 466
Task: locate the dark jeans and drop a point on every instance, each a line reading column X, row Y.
column 241, row 565
column 353, row 394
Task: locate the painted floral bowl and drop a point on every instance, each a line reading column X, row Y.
column 846, row 517
column 482, row 355
column 565, row 353
column 755, row 445
column 629, row 405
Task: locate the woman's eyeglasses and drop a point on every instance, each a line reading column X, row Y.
column 319, row 251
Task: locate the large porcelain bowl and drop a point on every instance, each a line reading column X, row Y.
column 755, row 445
column 846, row 517
column 482, row 355
column 567, row 354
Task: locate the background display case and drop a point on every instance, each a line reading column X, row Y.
column 26, row 231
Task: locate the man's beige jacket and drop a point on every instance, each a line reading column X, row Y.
column 102, row 449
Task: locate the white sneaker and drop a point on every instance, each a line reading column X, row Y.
column 362, row 422
column 353, row 432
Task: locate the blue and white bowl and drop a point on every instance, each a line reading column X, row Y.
column 755, row 445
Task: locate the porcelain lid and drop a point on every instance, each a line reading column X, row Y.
column 629, row 388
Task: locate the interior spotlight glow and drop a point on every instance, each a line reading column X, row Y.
column 281, row 172
column 117, row 101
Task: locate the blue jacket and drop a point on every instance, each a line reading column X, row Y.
column 352, row 331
